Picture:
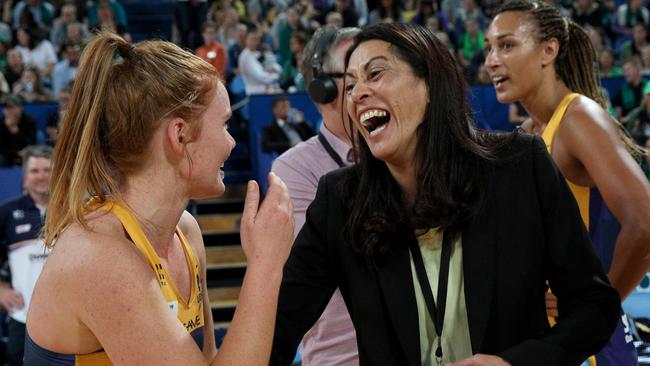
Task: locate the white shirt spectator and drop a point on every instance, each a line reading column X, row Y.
column 258, row 78
column 41, row 56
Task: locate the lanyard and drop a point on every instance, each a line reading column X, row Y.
column 437, row 313
column 330, row 150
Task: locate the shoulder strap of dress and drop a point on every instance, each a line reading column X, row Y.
column 549, row 132
column 132, row 227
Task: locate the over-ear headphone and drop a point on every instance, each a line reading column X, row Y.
column 322, row 89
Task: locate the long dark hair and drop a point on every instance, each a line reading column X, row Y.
column 450, row 153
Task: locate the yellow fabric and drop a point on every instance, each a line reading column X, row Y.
column 190, row 314
column 580, row 193
column 456, row 343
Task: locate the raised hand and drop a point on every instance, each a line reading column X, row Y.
column 267, row 229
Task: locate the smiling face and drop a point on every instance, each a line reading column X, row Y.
column 36, row 178
column 514, row 56
column 211, row 148
column 386, row 101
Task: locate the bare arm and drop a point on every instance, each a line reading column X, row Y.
column 591, row 138
column 266, row 235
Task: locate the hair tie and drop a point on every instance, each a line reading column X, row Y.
column 125, row 50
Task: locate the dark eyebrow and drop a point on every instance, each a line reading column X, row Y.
column 367, row 65
column 500, row 36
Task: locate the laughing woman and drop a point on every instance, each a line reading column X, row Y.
column 546, row 62
column 441, row 238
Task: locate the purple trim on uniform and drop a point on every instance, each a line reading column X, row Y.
column 36, row 355
column 197, row 335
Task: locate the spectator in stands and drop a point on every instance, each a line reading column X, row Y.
column 30, row 88
column 645, row 61
column 470, row 10
column 470, row 49
column 332, row 340
column 334, row 19
column 434, row 24
column 598, row 40
column 631, row 93
column 235, row 50
column 65, row 70
column 607, row 64
column 212, row 51
column 15, row 67
column 637, row 122
column 287, row 128
column 117, row 9
column 188, row 17
column 629, row 14
column 162, row 148
column 388, row 11
column 36, row 51
column 285, row 30
column 75, row 34
column 21, row 220
column 291, row 79
column 257, row 66
column 227, row 29
column 17, row 131
column 345, row 8
column 426, row 9
column 41, row 11
column 55, row 119
column 590, row 12
column 106, row 22
column 633, row 46
column 59, row 34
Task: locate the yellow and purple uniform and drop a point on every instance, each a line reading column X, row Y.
column 189, row 313
column 603, row 229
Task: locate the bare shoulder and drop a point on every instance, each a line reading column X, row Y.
column 190, row 228
column 586, row 117
column 87, row 267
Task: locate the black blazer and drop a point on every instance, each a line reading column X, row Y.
column 275, row 140
column 529, row 231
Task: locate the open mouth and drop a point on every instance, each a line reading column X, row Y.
column 499, row 80
column 374, row 120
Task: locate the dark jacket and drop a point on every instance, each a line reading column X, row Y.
column 11, row 144
column 275, row 140
column 529, row 231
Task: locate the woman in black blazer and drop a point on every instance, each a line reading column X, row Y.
column 437, row 210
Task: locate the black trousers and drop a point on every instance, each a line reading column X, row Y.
column 15, row 343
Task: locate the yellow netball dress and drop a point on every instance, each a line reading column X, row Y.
column 189, row 313
column 603, row 229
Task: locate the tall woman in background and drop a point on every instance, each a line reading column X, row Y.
column 125, row 282
column 546, row 62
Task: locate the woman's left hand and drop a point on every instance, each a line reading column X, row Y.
column 481, row 360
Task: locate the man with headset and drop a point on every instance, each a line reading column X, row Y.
column 332, row 340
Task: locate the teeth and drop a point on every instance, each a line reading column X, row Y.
column 378, row 130
column 370, row 114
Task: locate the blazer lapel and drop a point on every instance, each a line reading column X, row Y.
column 479, row 258
column 396, row 284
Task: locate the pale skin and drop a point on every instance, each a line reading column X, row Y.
column 376, row 79
column 587, row 147
column 107, row 295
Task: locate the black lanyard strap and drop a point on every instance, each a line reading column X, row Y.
column 330, row 150
column 437, row 313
